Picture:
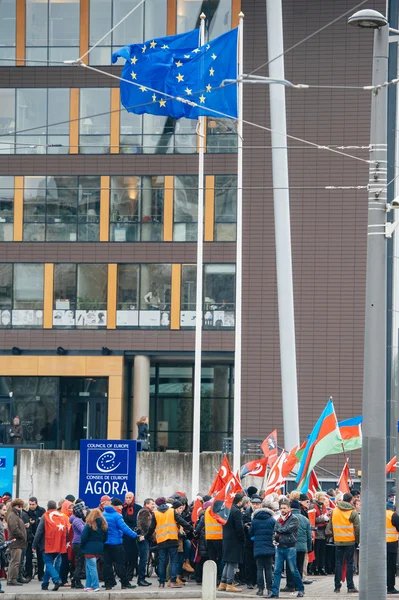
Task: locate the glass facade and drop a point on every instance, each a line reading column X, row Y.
column 218, row 16
column 52, row 31
column 6, row 208
column 185, row 208
column 147, row 21
column 54, row 412
column 8, row 11
column 171, row 406
column 61, row 209
column 150, row 134
column 225, row 208
column 94, row 131
column 136, row 209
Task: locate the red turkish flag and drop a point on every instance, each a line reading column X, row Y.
column 314, row 485
column 197, row 507
column 269, row 447
column 55, row 532
column 255, row 468
column 343, row 485
column 276, row 478
column 221, row 476
column 222, row 502
column 391, row 466
column 289, row 462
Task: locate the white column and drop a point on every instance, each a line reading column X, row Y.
column 141, row 390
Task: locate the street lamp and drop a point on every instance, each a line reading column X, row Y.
column 372, row 580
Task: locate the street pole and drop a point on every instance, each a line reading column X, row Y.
column 282, row 225
column 372, row 580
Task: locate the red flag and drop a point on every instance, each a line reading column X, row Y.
column 197, row 507
column 55, row 532
column 269, row 447
column 343, row 485
column 391, row 466
column 221, row 476
column 222, row 502
column 289, row 462
column 312, row 520
column 276, row 479
column 255, row 468
column 314, row 485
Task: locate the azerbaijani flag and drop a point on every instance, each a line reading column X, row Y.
column 351, row 433
column 324, row 438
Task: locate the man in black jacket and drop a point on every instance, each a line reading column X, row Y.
column 233, row 546
column 285, row 537
column 34, row 513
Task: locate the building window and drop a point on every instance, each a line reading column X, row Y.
column 147, row 21
column 151, row 134
column 127, row 314
column 171, row 406
column 136, row 208
column 5, row 295
column 92, row 294
column 218, row 16
column 7, row 32
column 52, row 31
column 28, row 286
column 221, row 136
column 6, row 208
column 185, row 208
column 31, row 112
column 65, row 293
column 225, row 208
column 155, row 295
column 62, row 209
column 219, row 296
column 188, row 292
column 94, row 131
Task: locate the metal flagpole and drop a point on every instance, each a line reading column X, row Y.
column 198, row 299
column 285, row 292
column 238, row 318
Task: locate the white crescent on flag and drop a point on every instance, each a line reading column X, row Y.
column 258, row 469
column 224, row 471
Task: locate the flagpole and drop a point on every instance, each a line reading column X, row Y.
column 238, row 319
column 198, row 299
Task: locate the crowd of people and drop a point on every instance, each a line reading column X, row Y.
column 262, row 539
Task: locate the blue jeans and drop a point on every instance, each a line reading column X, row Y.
column 144, row 549
column 288, row 554
column 50, row 572
column 164, row 555
column 91, row 573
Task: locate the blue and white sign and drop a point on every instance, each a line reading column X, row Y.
column 6, row 470
column 107, row 467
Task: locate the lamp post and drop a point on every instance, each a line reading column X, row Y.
column 372, row 580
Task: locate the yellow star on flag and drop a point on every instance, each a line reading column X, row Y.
column 208, row 87
column 196, row 50
column 153, row 44
column 162, row 103
column 179, row 64
column 154, row 98
column 214, row 56
column 188, row 91
column 144, row 48
column 208, row 47
column 202, row 99
column 134, row 76
column 134, row 60
column 180, row 77
column 211, row 72
column 165, row 47
column 143, row 89
column 187, row 56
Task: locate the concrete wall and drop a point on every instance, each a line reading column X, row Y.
column 52, row 474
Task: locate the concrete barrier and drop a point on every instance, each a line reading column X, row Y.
column 52, row 474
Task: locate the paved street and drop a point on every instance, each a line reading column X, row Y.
column 320, row 589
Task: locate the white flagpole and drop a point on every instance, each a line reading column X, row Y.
column 238, row 319
column 198, row 300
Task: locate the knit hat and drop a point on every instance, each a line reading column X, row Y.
column 78, row 509
column 177, row 504
column 295, row 504
column 252, row 490
column 390, row 506
column 303, row 498
column 105, row 499
column 160, row 501
column 206, row 498
column 256, row 499
column 17, row 502
column 70, row 497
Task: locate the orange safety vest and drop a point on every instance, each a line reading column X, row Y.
column 166, row 528
column 213, row 529
column 343, row 529
column 392, row 533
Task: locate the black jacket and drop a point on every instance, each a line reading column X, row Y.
column 262, row 530
column 286, row 533
column 200, row 534
column 233, row 537
column 142, row 431
column 179, row 521
column 34, row 515
column 131, row 519
column 393, row 546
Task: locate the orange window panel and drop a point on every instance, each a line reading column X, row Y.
column 20, row 41
column 48, row 296
column 209, row 222
column 115, row 120
column 74, row 124
column 84, row 30
column 112, row 292
column 18, row 208
column 172, row 17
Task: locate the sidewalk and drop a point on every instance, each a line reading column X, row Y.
column 322, row 588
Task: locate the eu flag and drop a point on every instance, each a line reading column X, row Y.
column 177, row 67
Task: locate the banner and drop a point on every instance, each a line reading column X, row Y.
column 107, row 467
column 6, row 470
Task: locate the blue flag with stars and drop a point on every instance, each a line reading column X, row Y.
column 174, row 77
